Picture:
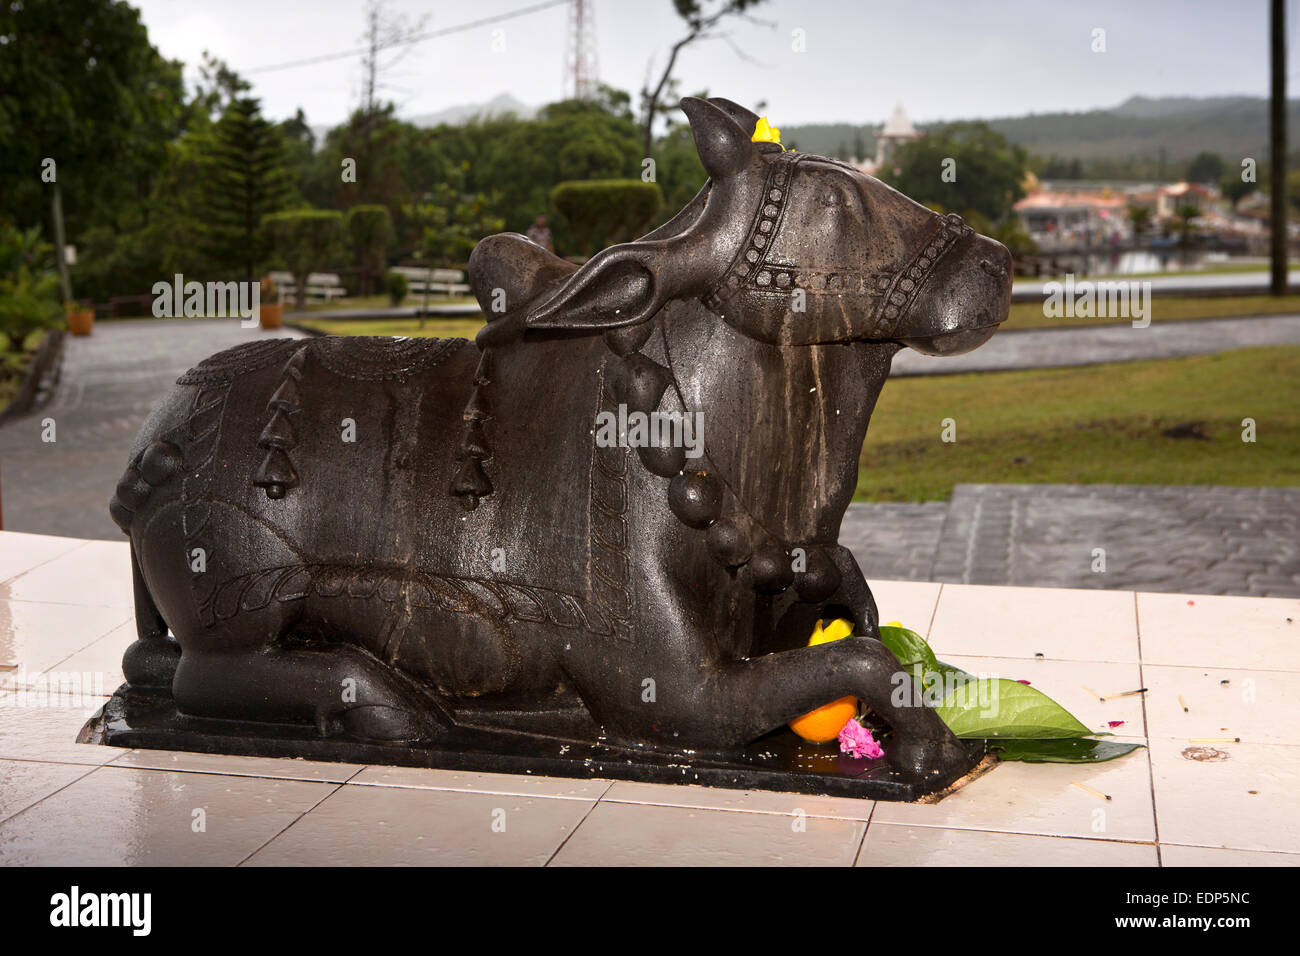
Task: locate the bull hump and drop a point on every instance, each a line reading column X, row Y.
column 512, row 264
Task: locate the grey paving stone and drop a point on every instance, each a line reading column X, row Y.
column 1184, row 538
column 894, row 541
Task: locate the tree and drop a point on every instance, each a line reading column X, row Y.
column 1183, row 217
column 218, row 87
column 602, row 212
column 678, row 169
column 307, row 240
column 1235, row 189
column 384, row 31
column 81, row 84
column 987, row 172
column 702, row 19
column 453, row 220
column 1139, row 217
column 246, row 182
column 369, row 229
column 1205, row 168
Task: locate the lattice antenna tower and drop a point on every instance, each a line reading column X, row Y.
column 580, row 72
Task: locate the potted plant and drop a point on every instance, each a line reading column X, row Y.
column 270, row 314
column 81, row 319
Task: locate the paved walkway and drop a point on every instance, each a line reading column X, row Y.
column 1092, row 345
column 109, row 382
column 1203, row 539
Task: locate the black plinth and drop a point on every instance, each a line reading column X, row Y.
column 780, row 761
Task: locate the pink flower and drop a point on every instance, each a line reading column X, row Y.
column 1025, row 682
column 856, row 741
column 1115, row 723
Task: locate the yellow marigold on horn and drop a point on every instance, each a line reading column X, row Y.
column 765, row 132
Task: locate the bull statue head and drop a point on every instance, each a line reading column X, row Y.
column 771, row 228
column 500, row 569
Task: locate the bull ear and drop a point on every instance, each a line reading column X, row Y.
column 725, row 149
column 622, row 285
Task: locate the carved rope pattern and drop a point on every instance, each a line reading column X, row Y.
column 608, row 560
column 907, row 282
column 502, row 601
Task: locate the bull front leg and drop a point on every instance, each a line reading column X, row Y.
column 854, row 594
column 750, row 698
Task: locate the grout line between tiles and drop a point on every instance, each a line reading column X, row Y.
column 243, row 775
column 61, row 554
column 488, row 793
column 1032, row 833
column 934, row 612
column 1146, row 728
column 130, row 616
column 594, row 804
column 770, row 813
column 287, row 827
column 866, row 828
column 89, row 771
column 1237, row 849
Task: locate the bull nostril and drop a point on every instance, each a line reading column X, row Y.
column 995, row 269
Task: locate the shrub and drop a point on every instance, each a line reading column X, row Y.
column 29, row 288
column 369, row 230
column 307, row 240
column 602, row 212
column 397, row 287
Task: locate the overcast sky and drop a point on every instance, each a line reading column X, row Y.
column 944, row 59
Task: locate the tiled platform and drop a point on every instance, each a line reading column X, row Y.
column 65, row 609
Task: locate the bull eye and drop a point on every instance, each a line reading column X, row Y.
column 831, row 198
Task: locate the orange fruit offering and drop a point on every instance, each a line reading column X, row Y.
column 824, row 724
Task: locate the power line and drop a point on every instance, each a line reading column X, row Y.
column 459, row 28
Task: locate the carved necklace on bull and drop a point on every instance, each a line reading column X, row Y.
column 738, row 540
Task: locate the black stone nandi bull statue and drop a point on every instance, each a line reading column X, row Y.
column 419, row 544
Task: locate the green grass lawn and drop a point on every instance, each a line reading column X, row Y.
column 414, row 300
column 464, row 328
column 1098, row 424
column 1029, row 315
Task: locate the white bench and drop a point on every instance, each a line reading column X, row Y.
column 322, row 286
column 449, row 281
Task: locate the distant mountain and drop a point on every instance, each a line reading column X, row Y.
column 1169, row 129
column 457, row 115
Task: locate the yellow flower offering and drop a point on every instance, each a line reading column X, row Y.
column 825, row 723
column 765, row 132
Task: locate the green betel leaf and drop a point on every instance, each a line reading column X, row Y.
column 997, row 707
column 908, row 646
column 1072, row 750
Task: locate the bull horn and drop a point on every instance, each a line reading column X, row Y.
column 725, row 148
column 746, row 119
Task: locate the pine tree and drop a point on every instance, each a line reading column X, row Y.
column 247, row 181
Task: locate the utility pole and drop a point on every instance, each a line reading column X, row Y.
column 61, row 247
column 1277, row 134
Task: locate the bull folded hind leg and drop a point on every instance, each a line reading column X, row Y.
column 750, row 698
column 150, row 661
column 336, row 687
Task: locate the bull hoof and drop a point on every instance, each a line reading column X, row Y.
column 383, row 722
column 928, row 756
column 151, row 663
